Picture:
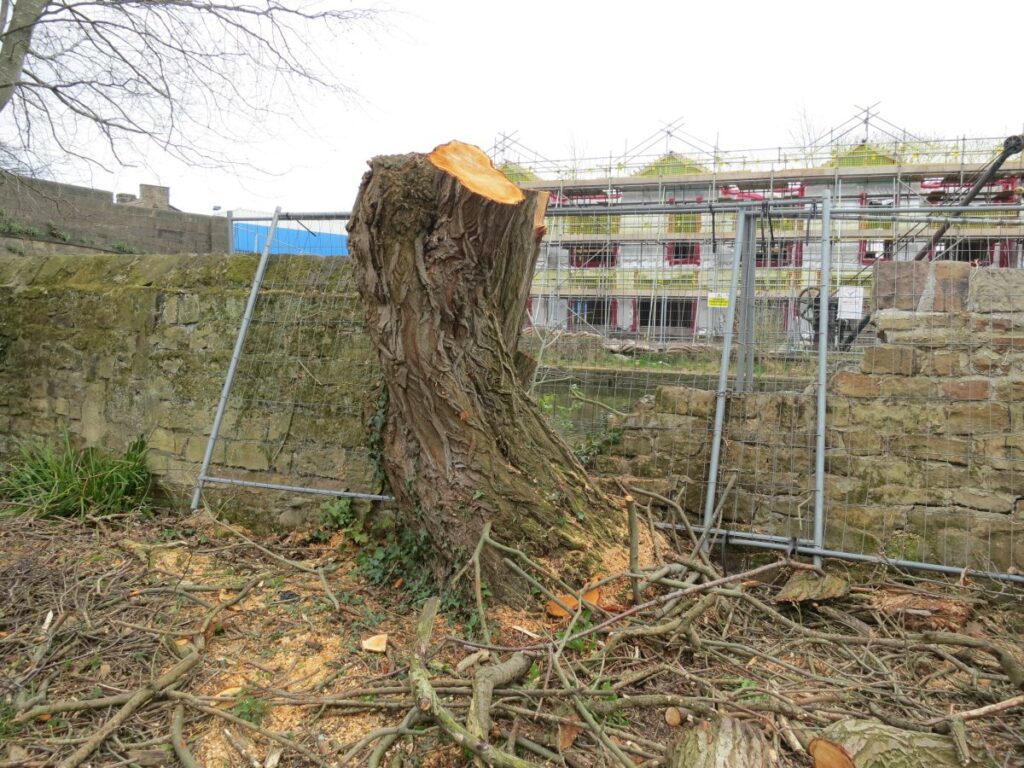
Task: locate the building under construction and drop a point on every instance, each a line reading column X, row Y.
column 640, row 247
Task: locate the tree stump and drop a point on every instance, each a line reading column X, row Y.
column 720, row 743
column 444, row 247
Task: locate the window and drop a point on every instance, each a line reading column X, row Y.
column 871, row 251
column 779, row 254
column 666, row 313
column 593, row 255
column 590, row 312
column 975, row 251
column 682, row 252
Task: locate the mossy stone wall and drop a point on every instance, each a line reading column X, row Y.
column 114, row 346
column 925, row 433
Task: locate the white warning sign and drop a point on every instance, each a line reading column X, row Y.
column 851, row 302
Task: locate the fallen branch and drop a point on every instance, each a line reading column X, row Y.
column 136, row 700
column 429, row 701
column 980, row 712
column 478, row 722
column 181, row 749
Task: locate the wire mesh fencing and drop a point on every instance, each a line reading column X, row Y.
column 303, row 382
column 793, row 374
column 802, row 385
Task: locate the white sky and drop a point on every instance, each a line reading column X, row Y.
column 585, row 78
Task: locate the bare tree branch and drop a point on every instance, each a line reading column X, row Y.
column 173, row 72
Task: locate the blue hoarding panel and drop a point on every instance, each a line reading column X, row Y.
column 250, row 238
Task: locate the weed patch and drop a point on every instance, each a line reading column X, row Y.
column 64, row 481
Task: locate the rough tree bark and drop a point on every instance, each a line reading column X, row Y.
column 721, row 743
column 444, row 247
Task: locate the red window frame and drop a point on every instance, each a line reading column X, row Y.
column 677, row 261
column 862, row 254
column 1006, row 252
column 608, row 256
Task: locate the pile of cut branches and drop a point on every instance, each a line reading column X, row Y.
column 112, row 652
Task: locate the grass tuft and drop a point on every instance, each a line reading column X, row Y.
column 64, row 481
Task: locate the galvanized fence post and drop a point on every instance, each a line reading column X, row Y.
column 236, row 355
column 824, row 313
column 723, row 374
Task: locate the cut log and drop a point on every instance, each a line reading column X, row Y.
column 720, row 743
column 874, row 745
column 808, row 586
column 444, row 247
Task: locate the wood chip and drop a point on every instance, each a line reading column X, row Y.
column 375, row 644
column 526, row 632
column 554, row 609
column 567, row 734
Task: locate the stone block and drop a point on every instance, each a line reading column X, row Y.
column 987, row 361
column 899, row 284
column 865, row 528
column 959, row 536
column 611, row 465
column 681, row 444
column 247, row 456
column 977, row 418
column 93, row 424
column 996, row 290
column 951, row 282
column 925, row 416
column 195, row 450
column 862, row 442
column 850, row 384
column 902, row 495
column 1016, row 417
column 685, row 400
column 664, row 421
column 189, row 309
column 633, row 444
column 165, row 440
column 894, row 320
column 1005, row 452
column 929, row 447
column 41, row 405
column 38, row 388
column 987, row 501
column 942, row 363
column 837, row 411
column 908, row 387
column 997, row 324
column 967, row 389
column 888, row 358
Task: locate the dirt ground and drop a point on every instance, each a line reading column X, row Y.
column 265, row 639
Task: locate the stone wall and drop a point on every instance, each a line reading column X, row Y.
column 925, row 433
column 88, row 217
column 116, row 346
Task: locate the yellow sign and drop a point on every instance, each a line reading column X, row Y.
column 718, row 299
